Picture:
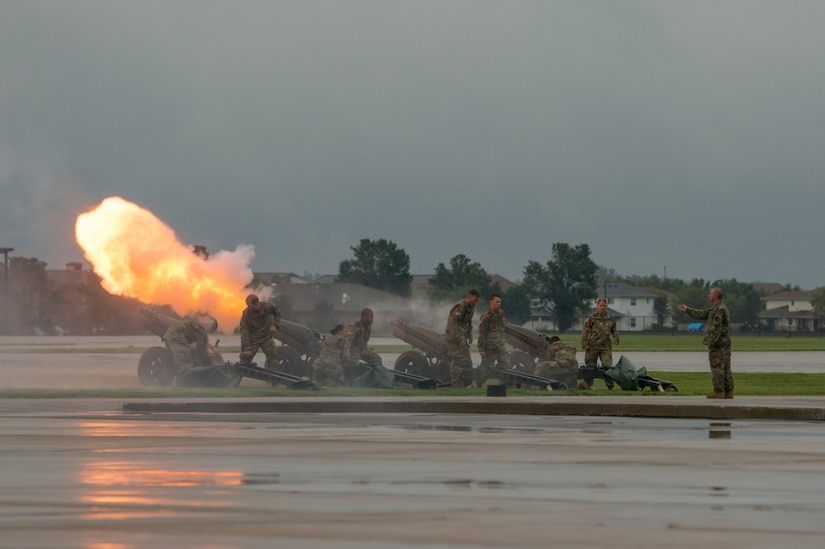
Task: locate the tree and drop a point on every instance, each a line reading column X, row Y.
column 660, row 308
column 694, row 295
column 818, row 302
column 516, row 304
column 462, row 275
column 741, row 299
column 566, row 284
column 30, row 304
column 379, row 264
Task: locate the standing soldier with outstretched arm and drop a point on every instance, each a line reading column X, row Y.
column 459, row 336
column 717, row 338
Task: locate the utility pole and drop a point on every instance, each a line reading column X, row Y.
column 5, row 252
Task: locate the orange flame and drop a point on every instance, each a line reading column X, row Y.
column 137, row 255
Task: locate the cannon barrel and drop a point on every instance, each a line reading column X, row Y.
column 530, row 341
column 301, row 338
column 428, row 341
column 156, row 322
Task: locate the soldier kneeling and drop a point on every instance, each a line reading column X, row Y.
column 329, row 367
column 559, row 363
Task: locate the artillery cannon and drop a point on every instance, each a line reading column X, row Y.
column 301, row 347
column 156, row 366
column 430, row 360
column 532, row 347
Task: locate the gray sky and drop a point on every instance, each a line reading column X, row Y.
column 686, row 135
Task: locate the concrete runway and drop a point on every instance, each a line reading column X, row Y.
column 101, row 474
column 86, row 474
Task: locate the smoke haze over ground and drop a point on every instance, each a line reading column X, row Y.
column 683, row 136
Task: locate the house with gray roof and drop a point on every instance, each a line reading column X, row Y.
column 790, row 311
column 632, row 308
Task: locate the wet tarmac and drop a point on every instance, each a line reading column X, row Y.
column 287, row 473
column 87, row 474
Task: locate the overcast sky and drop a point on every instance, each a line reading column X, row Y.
column 679, row 135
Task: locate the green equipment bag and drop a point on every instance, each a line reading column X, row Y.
column 625, row 374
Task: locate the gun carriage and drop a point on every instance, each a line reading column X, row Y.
column 429, row 359
column 301, row 347
column 531, row 347
column 156, row 366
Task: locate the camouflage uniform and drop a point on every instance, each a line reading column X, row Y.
column 491, row 342
column 559, row 363
column 359, row 338
column 178, row 338
column 329, row 367
column 458, row 334
column 717, row 338
column 597, row 335
column 256, row 334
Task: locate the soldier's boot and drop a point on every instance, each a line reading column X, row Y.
column 582, row 385
column 717, row 395
column 728, row 394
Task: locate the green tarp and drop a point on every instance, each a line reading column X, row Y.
column 625, row 374
column 376, row 376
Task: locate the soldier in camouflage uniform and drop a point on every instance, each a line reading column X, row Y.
column 359, row 334
column 259, row 322
column 597, row 332
column 717, row 338
column 329, row 367
column 559, row 363
column 459, row 337
column 183, row 333
column 491, row 344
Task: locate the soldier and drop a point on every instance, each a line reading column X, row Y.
column 181, row 335
column 459, row 337
column 491, row 344
column 597, row 332
column 559, row 363
column 359, row 334
column 717, row 338
column 259, row 322
column 329, row 367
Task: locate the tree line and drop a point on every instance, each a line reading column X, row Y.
column 564, row 285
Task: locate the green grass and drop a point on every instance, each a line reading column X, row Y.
column 629, row 343
column 689, row 384
column 740, row 342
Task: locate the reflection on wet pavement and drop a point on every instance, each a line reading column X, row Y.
column 333, row 480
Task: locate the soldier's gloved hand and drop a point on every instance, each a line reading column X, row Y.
column 246, row 354
column 616, row 340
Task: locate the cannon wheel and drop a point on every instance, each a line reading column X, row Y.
column 289, row 360
column 522, row 362
column 156, row 367
column 413, row 362
column 440, row 368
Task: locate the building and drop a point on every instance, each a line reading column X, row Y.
column 790, row 311
column 632, row 308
